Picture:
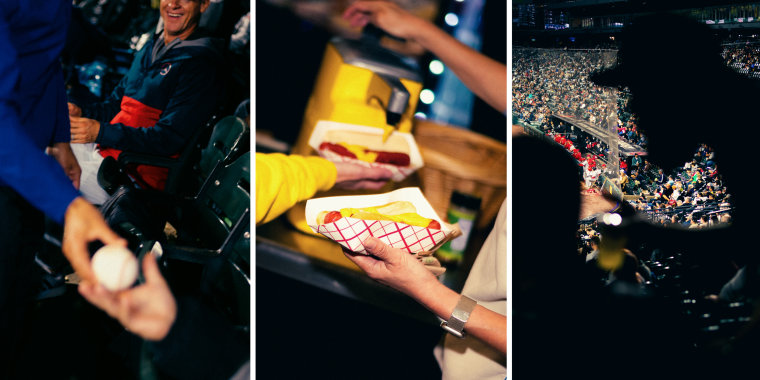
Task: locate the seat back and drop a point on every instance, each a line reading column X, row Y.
column 221, row 220
column 221, row 202
column 224, row 144
column 228, row 192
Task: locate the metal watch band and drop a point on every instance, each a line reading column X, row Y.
column 455, row 324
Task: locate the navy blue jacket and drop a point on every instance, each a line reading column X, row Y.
column 167, row 94
column 33, row 111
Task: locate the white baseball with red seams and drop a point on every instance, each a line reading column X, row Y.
column 114, row 267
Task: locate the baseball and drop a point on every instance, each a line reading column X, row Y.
column 114, row 267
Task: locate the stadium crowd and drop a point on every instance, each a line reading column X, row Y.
column 664, row 237
column 744, row 57
column 550, row 82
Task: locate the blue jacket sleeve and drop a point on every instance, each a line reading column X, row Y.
column 192, row 104
column 23, row 166
column 62, row 129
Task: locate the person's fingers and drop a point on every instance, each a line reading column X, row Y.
column 78, row 132
column 151, row 271
column 358, row 20
column 124, row 309
column 378, row 249
column 98, row 296
column 108, row 237
column 74, row 110
column 372, row 185
column 83, row 224
column 368, row 264
column 360, row 13
column 363, row 185
column 357, row 7
column 79, row 257
column 437, row 271
column 378, row 174
column 430, row 260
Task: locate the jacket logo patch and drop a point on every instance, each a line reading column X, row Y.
column 165, row 68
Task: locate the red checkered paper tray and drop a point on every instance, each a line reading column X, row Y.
column 371, row 137
column 351, row 232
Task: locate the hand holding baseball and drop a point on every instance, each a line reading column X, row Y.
column 148, row 310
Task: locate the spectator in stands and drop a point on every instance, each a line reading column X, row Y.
column 594, row 242
column 694, row 221
column 171, row 90
column 636, row 161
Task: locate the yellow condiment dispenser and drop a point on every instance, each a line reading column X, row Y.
column 362, row 83
column 359, row 83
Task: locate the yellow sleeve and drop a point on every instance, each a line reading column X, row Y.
column 284, row 180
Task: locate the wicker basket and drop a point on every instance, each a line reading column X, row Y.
column 462, row 160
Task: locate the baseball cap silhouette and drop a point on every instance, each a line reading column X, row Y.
column 662, row 46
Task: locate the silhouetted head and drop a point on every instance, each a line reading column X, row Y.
column 673, row 68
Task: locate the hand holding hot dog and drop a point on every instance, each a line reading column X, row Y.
column 393, row 267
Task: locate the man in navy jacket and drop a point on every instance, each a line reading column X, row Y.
column 171, row 89
column 33, row 117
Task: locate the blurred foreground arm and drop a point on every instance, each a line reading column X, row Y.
column 401, row 271
column 485, row 77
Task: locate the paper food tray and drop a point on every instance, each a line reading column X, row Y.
column 318, row 136
column 351, row 232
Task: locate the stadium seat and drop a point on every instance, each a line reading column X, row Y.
column 218, row 227
column 227, row 141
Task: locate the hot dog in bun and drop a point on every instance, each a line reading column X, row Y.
column 367, row 147
column 399, row 211
column 365, row 154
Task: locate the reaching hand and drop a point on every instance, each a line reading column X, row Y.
column 385, row 15
column 393, row 267
column 148, row 310
column 354, row 176
column 84, row 130
column 83, row 224
column 65, row 157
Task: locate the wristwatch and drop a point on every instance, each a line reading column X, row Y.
column 455, row 324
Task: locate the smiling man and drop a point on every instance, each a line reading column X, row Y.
column 172, row 88
column 181, row 17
